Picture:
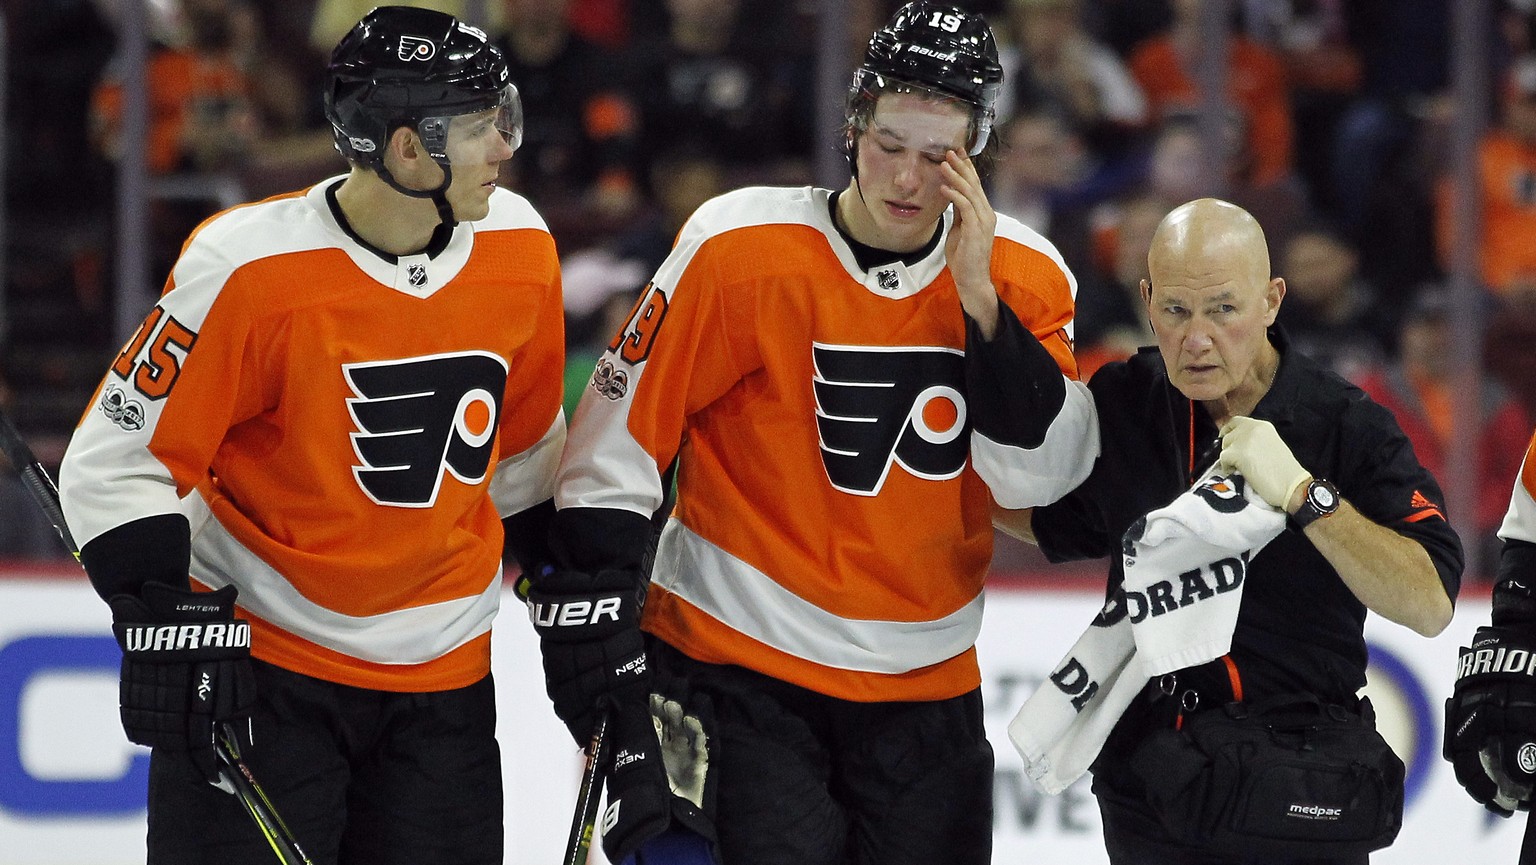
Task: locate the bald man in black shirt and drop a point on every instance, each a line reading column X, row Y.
column 1366, row 527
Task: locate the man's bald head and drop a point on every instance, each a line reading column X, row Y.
column 1211, row 301
column 1207, row 233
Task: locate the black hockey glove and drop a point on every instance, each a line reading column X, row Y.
column 1490, row 719
column 589, row 635
column 186, row 669
column 660, row 774
column 638, row 801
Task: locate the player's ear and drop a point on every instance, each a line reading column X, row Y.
column 405, row 144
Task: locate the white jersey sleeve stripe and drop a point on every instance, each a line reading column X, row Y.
column 1033, row 477
column 523, row 480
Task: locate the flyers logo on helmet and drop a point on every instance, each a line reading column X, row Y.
column 420, row 417
column 416, row 48
column 878, row 406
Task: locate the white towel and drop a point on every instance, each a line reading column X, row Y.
column 1184, row 569
column 1061, row 727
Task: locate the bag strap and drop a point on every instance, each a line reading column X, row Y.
column 1302, row 703
column 1188, row 702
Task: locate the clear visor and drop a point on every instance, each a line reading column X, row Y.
column 470, row 138
column 920, row 117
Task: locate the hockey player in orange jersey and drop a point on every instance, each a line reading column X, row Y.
column 1490, row 720
column 846, row 381
column 343, row 399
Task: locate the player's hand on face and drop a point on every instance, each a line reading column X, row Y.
column 968, row 249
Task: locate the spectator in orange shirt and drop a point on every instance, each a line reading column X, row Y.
column 1507, row 183
column 200, row 112
column 202, row 117
column 1165, row 68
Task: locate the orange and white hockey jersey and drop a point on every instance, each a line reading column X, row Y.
column 342, row 432
column 833, row 519
column 1520, row 521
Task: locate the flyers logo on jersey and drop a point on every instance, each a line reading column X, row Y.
column 418, row 418
column 877, row 406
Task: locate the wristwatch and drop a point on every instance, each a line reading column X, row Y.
column 1322, row 499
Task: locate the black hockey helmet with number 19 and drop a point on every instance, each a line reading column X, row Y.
column 403, row 66
column 936, row 47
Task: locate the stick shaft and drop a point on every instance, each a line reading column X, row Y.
column 36, row 479
column 584, row 820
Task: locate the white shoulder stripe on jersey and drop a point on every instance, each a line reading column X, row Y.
column 750, row 602
column 411, row 636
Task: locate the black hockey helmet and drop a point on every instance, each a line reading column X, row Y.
column 934, row 47
column 403, row 66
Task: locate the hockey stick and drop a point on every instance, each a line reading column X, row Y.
column 243, row 784
column 36, row 480
column 234, row 775
column 584, row 820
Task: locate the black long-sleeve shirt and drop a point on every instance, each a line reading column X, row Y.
column 1300, row 627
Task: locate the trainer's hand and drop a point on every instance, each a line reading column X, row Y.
column 660, row 773
column 968, row 249
column 1490, row 720
column 589, row 636
column 1255, row 450
column 186, row 669
column 684, row 746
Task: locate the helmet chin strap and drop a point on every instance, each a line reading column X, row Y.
column 439, row 195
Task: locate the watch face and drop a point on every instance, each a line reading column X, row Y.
column 1323, row 497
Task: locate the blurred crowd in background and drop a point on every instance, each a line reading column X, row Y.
column 1337, row 139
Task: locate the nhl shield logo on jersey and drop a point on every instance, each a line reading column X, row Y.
column 888, row 280
column 419, row 418
column 878, row 406
column 416, row 275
